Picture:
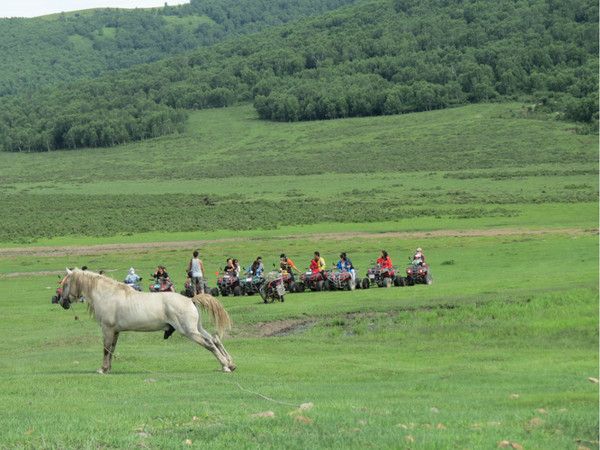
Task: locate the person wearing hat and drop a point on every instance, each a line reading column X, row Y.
column 419, row 257
column 132, row 277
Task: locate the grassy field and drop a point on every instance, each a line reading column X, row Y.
column 230, row 171
column 499, row 348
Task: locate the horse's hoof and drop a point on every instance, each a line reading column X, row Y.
column 101, row 371
column 232, row 367
column 226, row 369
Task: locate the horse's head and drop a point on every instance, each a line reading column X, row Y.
column 66, row 293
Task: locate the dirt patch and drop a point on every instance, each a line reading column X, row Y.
column 276, row 328
column 124, row 248
column 39, row 273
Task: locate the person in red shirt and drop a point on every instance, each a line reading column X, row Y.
column 384, row 261
column 317, row 264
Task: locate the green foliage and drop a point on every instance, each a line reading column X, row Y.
column 368, row 59
column 67, row 47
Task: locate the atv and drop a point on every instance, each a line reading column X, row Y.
column 339, row 280
column 229, row 284
column 162, row 285
column 289, row 282
column 381, row 277
column 188, row 291
column 313, row 281
column 251, row 284
column 135, row 286
column 273, row 288
column 56, row 297
column 418, row 273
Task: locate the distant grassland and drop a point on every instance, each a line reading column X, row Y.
column 232, row 171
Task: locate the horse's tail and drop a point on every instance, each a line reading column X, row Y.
column 210, row 304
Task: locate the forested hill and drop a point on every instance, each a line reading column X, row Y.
column 377, row 57
column 65, row 47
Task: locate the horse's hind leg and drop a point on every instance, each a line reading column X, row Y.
column 217, row 343
column 209, row 345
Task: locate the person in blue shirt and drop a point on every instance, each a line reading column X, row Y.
column 345, row 265
column 256, row 268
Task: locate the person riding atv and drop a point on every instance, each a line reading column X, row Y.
column 419, row 256
column 345, row 265
column 317, row 264
column 287, row 265
column 133, row 280
column 257, row 268
column 162, row 281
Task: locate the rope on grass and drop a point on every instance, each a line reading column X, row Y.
column 269, row 399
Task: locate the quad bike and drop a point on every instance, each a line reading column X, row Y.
column 162, row 285
column 289, row 282
column 339, row 280
column 418, row 273
column 273, row 288
column 188, row 291
column 382, row 277
column 135, row 286
column 313, row 281
column 251, row 284
column 57, row 295
column 229, row 284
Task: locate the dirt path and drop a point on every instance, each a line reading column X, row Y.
column 124, row 248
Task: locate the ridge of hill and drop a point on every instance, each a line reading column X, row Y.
column 65, row 47
column 373, row 58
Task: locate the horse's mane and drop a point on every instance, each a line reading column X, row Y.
column 85, row 281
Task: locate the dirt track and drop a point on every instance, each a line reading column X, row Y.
column 123, row 248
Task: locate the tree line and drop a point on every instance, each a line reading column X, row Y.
column 374, row 58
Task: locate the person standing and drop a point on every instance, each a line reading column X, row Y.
column 196, row 273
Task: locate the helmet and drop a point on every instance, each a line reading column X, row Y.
column 419, row 249
column 131, row 271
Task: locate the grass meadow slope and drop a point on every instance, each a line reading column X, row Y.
column 499, row 351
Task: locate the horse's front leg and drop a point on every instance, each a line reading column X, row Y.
column 110, row 342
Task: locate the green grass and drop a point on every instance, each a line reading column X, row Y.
column 496, row 339
column 231, row 171
column 500, row 347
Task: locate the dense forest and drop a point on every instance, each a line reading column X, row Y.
column 67, row 47
column 377, row 57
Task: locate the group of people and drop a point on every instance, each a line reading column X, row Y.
column 195, row 269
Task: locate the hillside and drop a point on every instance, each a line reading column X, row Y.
column 66, row 47
column 461, row 167
column 374, row 58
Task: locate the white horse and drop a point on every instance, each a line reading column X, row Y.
column 118, row 308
